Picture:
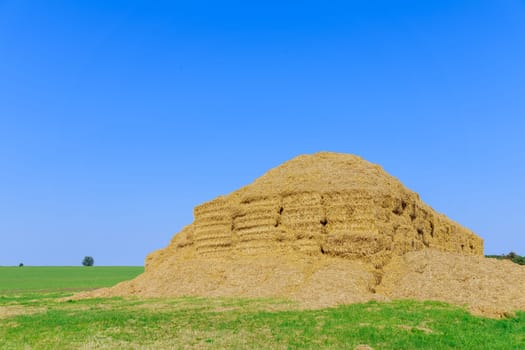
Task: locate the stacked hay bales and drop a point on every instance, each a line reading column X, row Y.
column 324, row 204
column 323, row 229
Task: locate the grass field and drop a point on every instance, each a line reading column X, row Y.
column 42, row 320
column 62, row 278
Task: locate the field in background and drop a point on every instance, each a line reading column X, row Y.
column 43, row 320
column 62, row 278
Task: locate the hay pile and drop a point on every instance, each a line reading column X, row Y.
column 326, row 229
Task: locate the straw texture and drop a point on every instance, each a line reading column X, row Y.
column 322, row 229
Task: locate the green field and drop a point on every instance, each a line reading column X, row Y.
column 43, row 320
column 62, row 278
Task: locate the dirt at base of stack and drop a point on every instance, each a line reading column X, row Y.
column 327, row 229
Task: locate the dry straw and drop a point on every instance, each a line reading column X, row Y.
column 326, row 229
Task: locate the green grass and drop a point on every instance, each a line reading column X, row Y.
column 62, row 278
column 46, row 321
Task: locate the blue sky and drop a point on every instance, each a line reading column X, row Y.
column 118, row 117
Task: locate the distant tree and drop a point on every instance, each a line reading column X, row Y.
column 88, row 261
column 516, row 258
column 21, row 265
column 519, row 260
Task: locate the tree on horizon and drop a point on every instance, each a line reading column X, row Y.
column 88, row 261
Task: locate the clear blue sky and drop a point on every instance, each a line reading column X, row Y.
column 118, row 117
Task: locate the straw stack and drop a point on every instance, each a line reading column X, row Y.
column 322, row 229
